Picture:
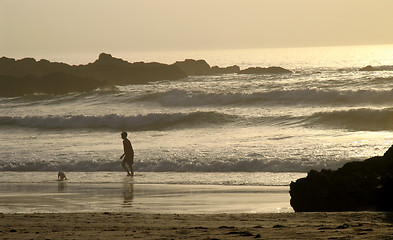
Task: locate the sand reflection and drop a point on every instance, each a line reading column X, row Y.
column 61, row 186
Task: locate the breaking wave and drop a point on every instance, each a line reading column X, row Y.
column 300, row 96
column 363, row 119
column 180, row 165
column 153, row 121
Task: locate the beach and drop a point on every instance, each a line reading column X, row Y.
column 63, row 197
column 214, row 154
column 112, row 225
column 121, row 210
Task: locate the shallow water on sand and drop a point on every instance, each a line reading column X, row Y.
column 152, row 198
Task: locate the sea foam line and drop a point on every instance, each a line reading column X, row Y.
column 174, row 165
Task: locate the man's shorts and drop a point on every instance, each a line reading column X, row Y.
column 129, row 159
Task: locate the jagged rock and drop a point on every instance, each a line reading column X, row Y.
column 227, row 70
column 379, row 68
column 105, row 71
column 368, row 68
column 120, row 72
column 29, row 66
column 53, row 83
column 194, row 67
column 269, row 70
column 357, row 186
column 107, row 59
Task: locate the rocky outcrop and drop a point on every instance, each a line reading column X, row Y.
column 106, row 71
column 268, row 70
column 53, row 83
column 119, row 72
column 357, row 186
column 49, row 77
column 379, row 68
column 202, row 68
column 193, row 67
column 29, row 66
column 106, row 68
column 227, row 70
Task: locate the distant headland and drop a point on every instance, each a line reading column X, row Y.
column 29, row 76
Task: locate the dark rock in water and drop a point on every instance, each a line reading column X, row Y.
column 368, row 68
column 194, row 67
column 269, row 70
column 227, row 70
column 54, row 83
column 379, row 68
column 200, row 68
column 28, row 76
column 29, row 66
column 120, row 72
column 57, row 78
column 357, row 186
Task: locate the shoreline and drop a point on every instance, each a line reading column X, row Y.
column 110, row 225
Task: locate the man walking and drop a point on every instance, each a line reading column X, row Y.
column 128, row 155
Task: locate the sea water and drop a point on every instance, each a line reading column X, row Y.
column 232, row 129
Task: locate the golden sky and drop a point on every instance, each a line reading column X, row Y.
column 73, row 26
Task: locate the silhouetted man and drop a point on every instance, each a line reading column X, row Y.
column 128, row 154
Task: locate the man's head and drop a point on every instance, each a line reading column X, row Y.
column 124, row 135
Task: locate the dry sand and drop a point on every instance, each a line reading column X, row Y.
column 112, row 225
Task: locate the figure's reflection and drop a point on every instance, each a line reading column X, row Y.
column 61, row 186
column 128, row 193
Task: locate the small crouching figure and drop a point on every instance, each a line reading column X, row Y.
column 61, row 176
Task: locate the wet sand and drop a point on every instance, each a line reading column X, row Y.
column 110, row 225
column 65, row 197
column 164, row 211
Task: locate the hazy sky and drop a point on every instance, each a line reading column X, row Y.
column 33, row 27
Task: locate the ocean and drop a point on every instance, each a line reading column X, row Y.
column 232, row 129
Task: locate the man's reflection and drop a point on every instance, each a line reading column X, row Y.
column 128, row 193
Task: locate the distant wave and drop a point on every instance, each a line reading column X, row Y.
column 49, row 99
column 153, row 121
column 179, row 165
column 363, row 119
column 359, row 119
column 301, row 96
column 184, row 98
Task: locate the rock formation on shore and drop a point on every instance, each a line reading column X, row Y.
column 28, row 76
column 357, row 186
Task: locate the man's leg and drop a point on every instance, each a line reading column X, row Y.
column 123, row 164
column 131, row 169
